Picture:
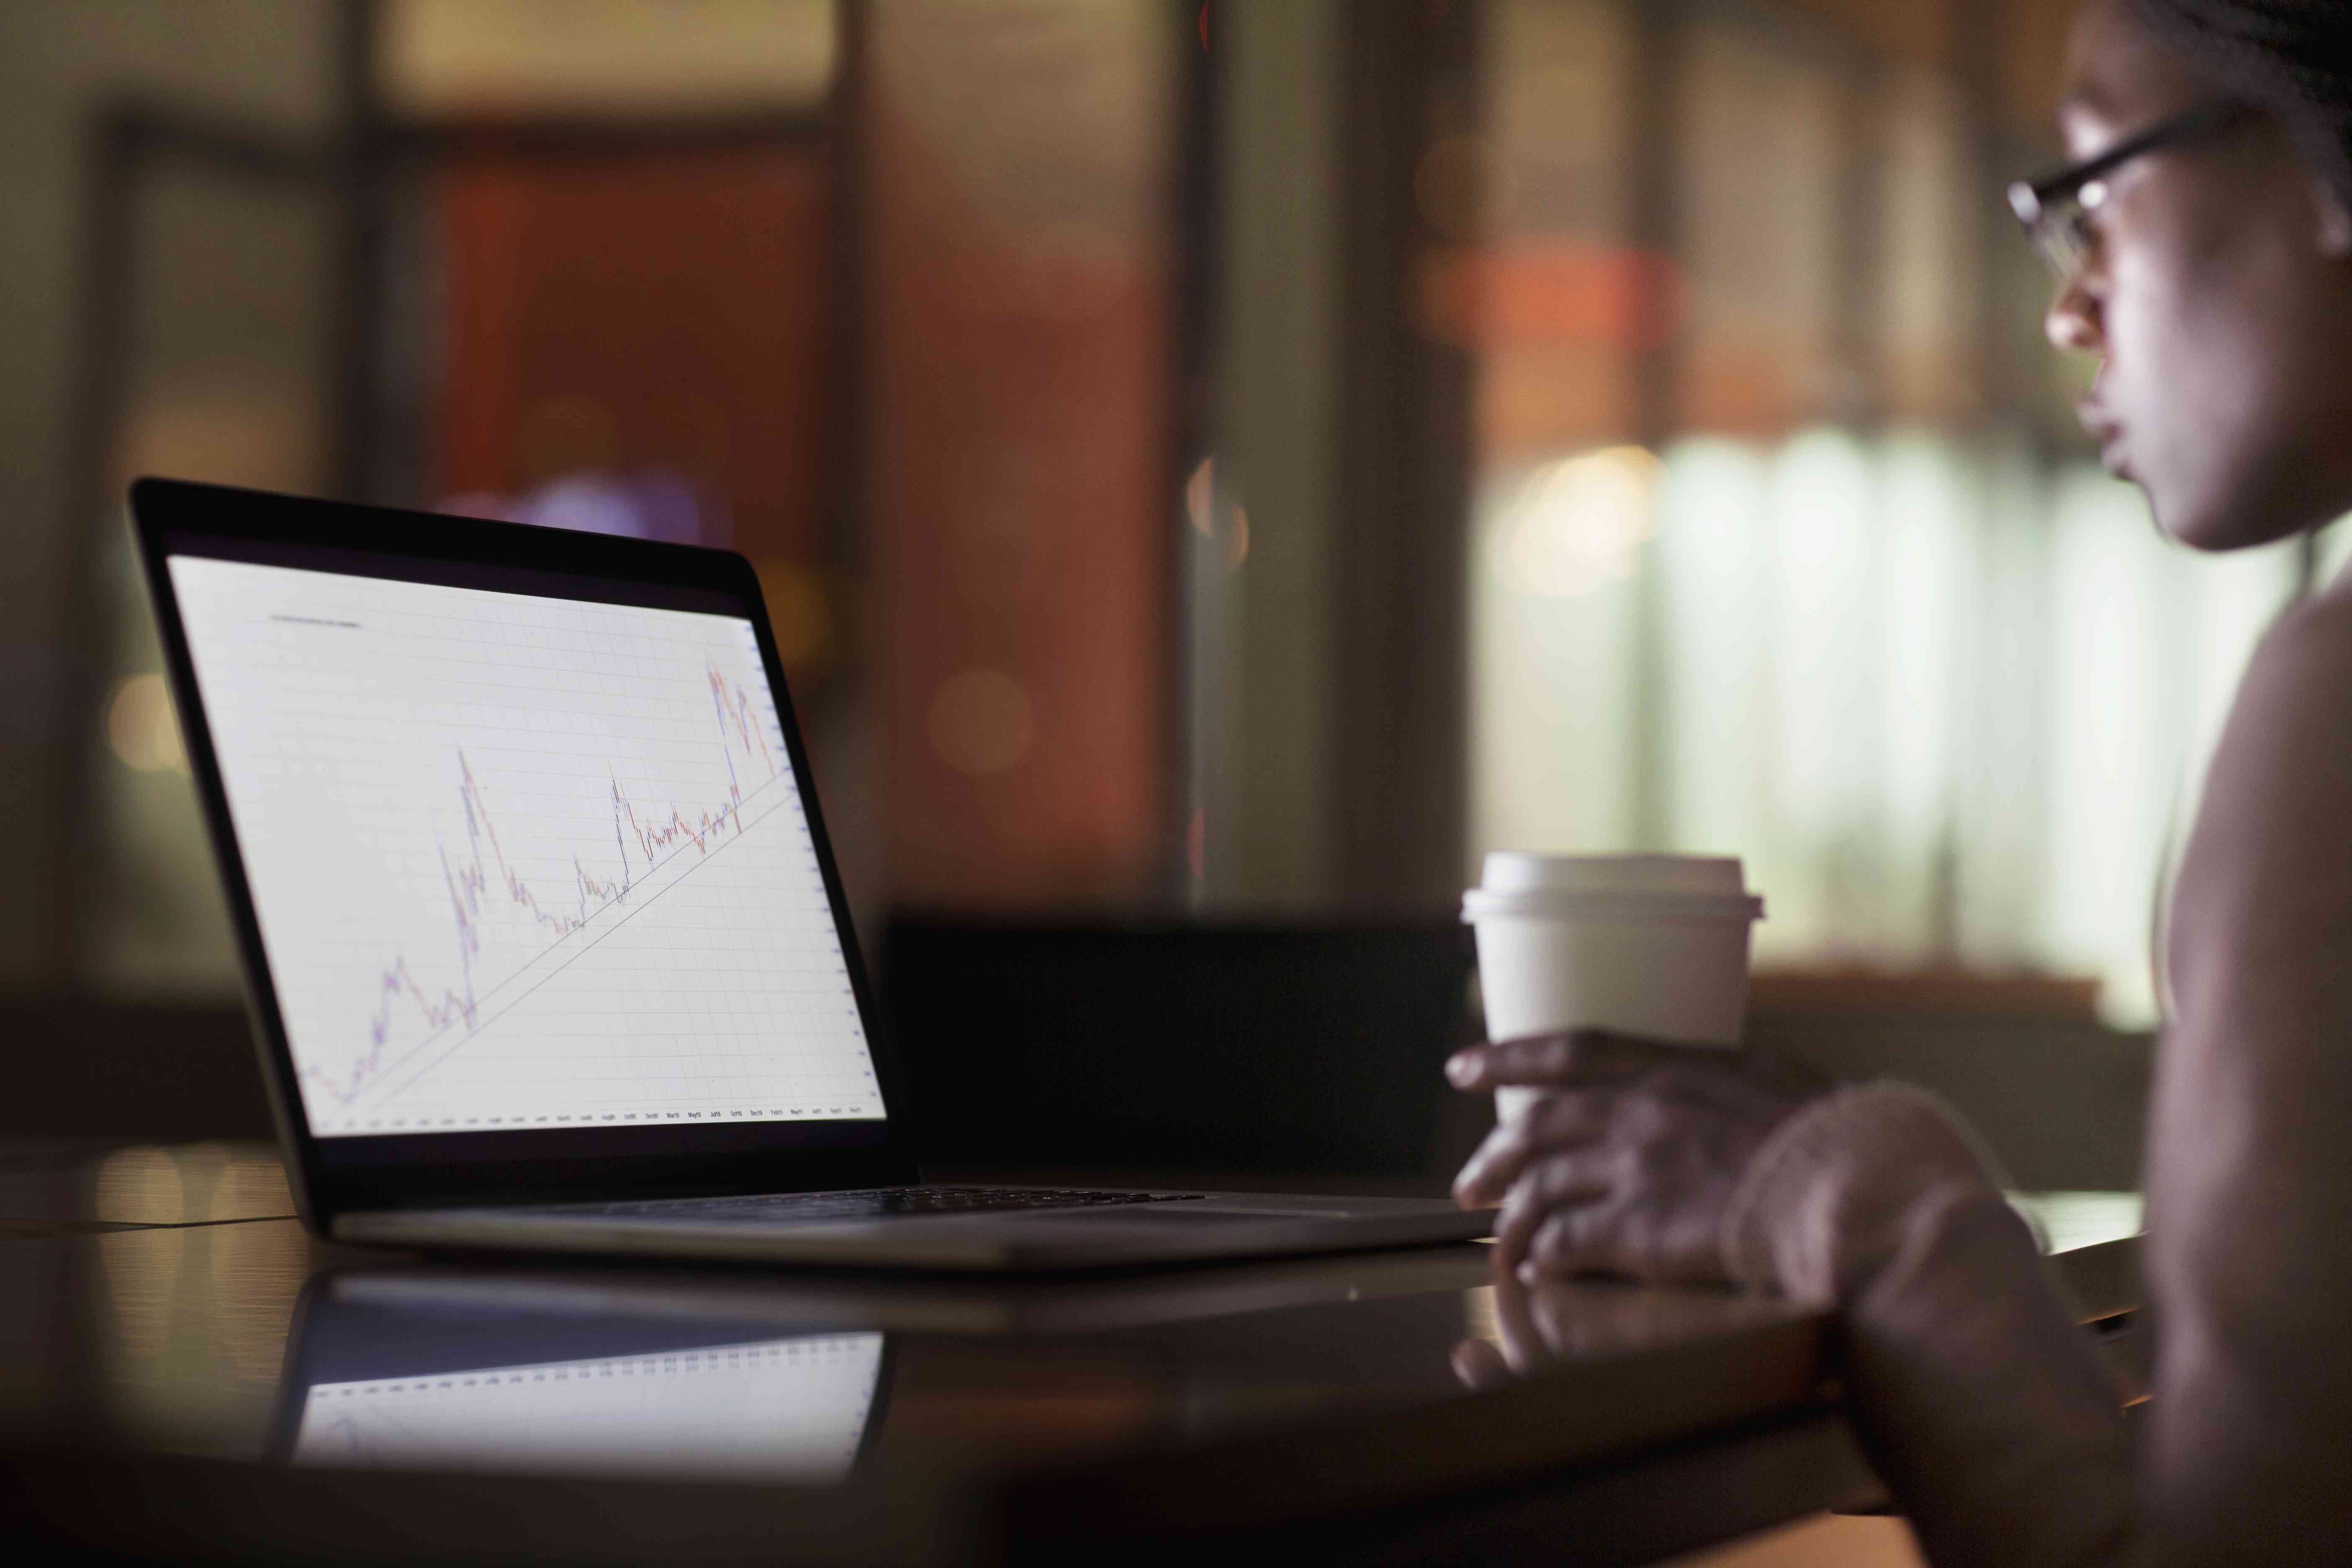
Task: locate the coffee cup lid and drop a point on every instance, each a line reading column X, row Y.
column 1517, row 871
column 1634, row 908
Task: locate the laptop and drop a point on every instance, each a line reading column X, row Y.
column 542, row 935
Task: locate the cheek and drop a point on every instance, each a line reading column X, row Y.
column 2192, row 370
column 2184, row 346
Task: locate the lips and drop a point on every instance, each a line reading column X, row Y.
column 2103, row 427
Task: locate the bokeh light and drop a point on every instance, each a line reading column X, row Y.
column 800, row 614
column 1215, row 516
column 1577, row 523
column 982, row 722
column 141, row 728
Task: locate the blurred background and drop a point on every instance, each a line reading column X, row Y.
column 1218, row 463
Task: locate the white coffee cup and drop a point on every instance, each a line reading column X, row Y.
column 1652, row 945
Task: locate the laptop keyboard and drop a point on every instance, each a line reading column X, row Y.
column 771, row 1208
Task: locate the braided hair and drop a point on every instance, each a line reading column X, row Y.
column 2293, row 58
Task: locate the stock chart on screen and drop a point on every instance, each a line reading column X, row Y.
column 521, row 862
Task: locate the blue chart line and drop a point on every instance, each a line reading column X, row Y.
column 481, row 878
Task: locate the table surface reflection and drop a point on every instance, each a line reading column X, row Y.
column 157, row 1322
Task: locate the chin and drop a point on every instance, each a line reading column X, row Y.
column 2223, row 516
column 2202, row 529
column 2215, row 533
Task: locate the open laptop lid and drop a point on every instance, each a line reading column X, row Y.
column 530, row 882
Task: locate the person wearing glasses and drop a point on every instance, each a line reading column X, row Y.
column 2204, row 242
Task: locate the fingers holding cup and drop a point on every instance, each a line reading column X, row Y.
column 1573, row 1058
column 1557, row 1180
column 1551, row 1122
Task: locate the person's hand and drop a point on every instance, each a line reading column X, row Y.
column 1624, row 1164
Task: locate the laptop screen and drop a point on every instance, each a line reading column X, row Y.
column 521, row 862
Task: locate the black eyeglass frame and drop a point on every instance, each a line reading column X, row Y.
column 2037, row 201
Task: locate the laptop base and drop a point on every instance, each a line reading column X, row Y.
column 1201, row 1228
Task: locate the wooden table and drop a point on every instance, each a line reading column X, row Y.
column 172, row 1348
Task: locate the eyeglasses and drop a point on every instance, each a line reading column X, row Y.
column 2056, row 208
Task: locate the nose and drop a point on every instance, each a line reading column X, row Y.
column 2074, row 321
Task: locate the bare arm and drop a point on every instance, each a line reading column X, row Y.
column 2249, row 1455
column 1982, row 1404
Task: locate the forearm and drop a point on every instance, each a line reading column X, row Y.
column 1983, row 1404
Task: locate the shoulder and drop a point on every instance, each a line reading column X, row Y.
column 2263, row 902
column 2289, row 739
column 2305, row 662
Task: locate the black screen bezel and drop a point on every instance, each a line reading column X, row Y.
column 343, row 1173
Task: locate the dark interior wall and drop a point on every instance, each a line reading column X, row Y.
column 60, row 66
column 1399, row 778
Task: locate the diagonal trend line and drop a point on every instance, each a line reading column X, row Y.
column 523, row 968
column 585, row 948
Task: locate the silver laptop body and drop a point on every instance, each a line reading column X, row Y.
column 543, row 942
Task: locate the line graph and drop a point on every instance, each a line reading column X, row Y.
column 470, row 879
column 521, row 862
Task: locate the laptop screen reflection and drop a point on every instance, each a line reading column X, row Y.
column 465, row 1391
